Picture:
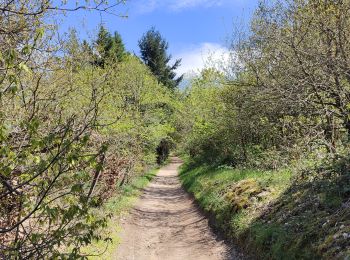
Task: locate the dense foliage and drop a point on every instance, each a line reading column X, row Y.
column 109, row 48
column 286, row 94
column 77, row 121
column 281, row 103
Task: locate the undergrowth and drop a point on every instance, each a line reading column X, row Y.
column 274, row 215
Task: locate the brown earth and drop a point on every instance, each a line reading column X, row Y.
column 165, row 224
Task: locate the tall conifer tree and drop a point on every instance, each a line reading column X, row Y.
column 153, row 49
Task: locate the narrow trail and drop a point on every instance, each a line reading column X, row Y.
column 165, row 224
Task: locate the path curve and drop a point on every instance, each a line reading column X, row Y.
column 165, row 224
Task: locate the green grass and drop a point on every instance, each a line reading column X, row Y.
column 233, row 196
column 218, row 191
column 273, row 216
column 117, row 206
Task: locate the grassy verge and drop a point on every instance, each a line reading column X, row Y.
column 272, row 216
column 118, row 206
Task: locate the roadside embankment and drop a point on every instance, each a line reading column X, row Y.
column 272, row 215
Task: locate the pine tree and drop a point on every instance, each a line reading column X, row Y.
column 153, row 48
column 109, row 47
column 118, row 48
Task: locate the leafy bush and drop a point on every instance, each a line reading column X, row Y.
column 73, row 129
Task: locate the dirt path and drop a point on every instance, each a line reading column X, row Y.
column 165, row 224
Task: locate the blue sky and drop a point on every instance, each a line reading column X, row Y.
column 195, row 29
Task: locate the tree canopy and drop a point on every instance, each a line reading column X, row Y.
column 109, row 47
column 80, row 120
column 75, row 127
column 153, row 48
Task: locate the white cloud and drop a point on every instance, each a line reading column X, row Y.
column 202, row 56
column 147, row 6
column 184, row 4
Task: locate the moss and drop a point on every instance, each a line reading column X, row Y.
column 241, row 194
column 274, row 216
column 330, row 200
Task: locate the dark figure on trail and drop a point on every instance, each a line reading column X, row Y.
column 162, row 151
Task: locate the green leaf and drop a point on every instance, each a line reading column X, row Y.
column 26, row 49
column 77, row 188
column 22, row 66
column 40, row 33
